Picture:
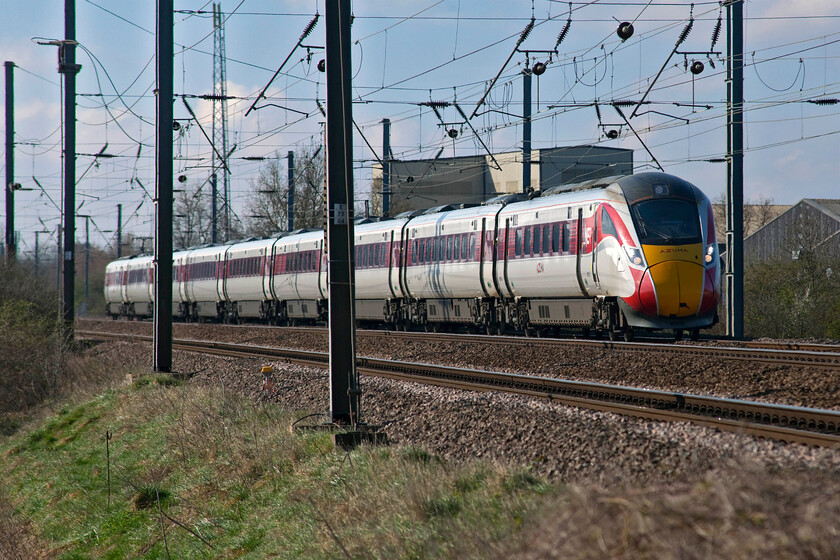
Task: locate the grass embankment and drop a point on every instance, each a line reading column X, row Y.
column 197, row 473
column 202, row 473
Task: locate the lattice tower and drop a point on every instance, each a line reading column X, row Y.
column 220, row 119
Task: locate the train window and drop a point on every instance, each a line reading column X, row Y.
column 546, row 239
column 555, row 238
column 457, row 251
column 667, row 221
column 449, row 242
column 518, row 243
column 378, row 250
column 537, row 241
column 471, row 253
column 428, row 251
column 526, row 249
column 436, row 256
column 607, row 226
column 567, row 230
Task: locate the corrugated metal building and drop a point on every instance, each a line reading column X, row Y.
column 417, row 184
column 811, row 224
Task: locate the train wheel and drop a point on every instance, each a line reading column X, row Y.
column 695, row 334
column 678, row 334
column 613, row 335
column 629, row 335
column 500, row 328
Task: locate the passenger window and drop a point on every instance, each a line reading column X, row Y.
column 607, row 226
column 457, row 251
column 472, row 247
column 518, row 243
column 537, row 241
column 527, row 243
column 546, row 239
column 555, row 238
column 567, row 230
column 449, row 242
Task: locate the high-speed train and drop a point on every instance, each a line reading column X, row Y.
column 610, row 255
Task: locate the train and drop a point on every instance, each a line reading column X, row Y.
column 609, row 256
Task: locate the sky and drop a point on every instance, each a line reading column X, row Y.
column 406, row 53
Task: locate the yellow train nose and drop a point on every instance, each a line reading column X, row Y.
column 676, row 273
column 679, row 287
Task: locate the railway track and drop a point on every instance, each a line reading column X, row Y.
column 820, row 355
column 780, row 422
column 788, row 353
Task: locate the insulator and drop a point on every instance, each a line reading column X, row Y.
column 625, row 30
column 612, row 134
column 309, row 27
column 436, row 103
column 697, row 67
column 624, row 103
column 539, row 68
column 563, row 33
column 716, row 33
column 453, row 133
column 825, row 101
column 685, row 32
column 322, row 65
column 525, row 32
column 711, row 63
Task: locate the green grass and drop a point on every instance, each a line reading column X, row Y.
column 196, row 473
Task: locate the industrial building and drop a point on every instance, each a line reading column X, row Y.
column 809, row 225
column 419, row 184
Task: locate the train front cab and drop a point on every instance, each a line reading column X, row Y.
column 680, row 283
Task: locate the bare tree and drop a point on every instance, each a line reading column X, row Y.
column 268, row 208
column 758, row 212
column 192, row 216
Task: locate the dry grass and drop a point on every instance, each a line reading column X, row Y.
column 739, row 511
column 17, row 542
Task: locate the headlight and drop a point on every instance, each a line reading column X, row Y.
column 709, row 257
column 634, row 255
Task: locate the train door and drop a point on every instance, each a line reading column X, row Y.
column 595, row 238
column 265, row 260
column 271, row 265
column 404, row 259
column 483, row 257
column 221, row 275
column 505, row 250
column 322, row 268
column 391, row 268
column 579, row 252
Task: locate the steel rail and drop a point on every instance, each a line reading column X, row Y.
column 809, row 426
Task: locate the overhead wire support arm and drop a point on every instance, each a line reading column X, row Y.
column 469, row 124
column 307, row 30
column 630, row 126
column 522, row 37
column 362, row 134
column 204, row 132
column 680, row 40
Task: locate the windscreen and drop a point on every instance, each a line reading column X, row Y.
column 666, row 221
